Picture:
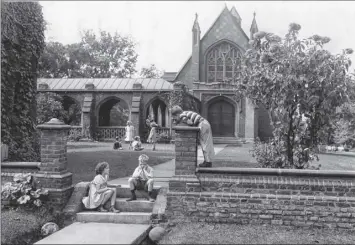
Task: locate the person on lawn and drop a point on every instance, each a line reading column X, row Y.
column 129, row 133
column 137, row 144
column 99, row 192
column 205, row 137
column 152, row 138
column 117, row 144
column 142, row 178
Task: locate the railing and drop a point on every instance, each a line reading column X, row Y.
column 111, row 132
column 75, row 131
column 214, row 85
column 164, row 130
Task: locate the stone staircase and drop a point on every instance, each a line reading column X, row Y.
column 134, row 212
column 130, row 226
column 228, row 140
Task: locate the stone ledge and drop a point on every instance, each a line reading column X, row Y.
column 186, row 128
column 278, row 172
column 261, row 196
column 24, row 165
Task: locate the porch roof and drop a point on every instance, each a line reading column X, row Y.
column 103, row 84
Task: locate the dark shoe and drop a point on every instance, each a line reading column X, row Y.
column 208, row 165
column 133, row 197
column 202, row 165
column 151, row 199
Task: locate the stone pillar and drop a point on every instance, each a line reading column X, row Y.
column 53, row 174
column 250, row 121
column 86, row 112
column 185, row 178
column 186, row 150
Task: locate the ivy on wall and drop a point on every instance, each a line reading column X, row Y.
column 22, row 42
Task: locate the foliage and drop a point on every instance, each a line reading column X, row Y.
column 181, row 98
column 273, row 154
column 164, row 137
column 344, row 125
column 299, row 82
column 102, row 56
column 22, row 42
column 151, row 72
column 22, row 191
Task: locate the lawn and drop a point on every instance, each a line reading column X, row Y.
column 202, row 233
column 122, row 163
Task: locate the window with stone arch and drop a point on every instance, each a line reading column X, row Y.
column 223, row 62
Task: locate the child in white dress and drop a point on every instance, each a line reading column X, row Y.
column 99, row 193
column 129, row 133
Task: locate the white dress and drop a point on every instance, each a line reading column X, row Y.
column 94, row 199
column 129, row 133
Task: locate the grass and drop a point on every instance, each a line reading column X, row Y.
column 122, row 163
column 202, row 233
column 23, row 227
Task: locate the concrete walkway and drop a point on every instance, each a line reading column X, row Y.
column 164, row 171
column 98, row 233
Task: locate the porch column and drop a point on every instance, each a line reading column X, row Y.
column 167, row 117
column 136, row 100
column 86, row 112
column 160, row 118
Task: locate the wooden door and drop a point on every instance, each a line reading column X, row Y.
column 221, row 116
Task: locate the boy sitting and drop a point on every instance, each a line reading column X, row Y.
column 117, row 144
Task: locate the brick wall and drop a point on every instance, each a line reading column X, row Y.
column 310, row 198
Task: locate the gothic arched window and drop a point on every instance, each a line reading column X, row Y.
column 222, row 62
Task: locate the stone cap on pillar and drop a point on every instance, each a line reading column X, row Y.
column 54, row 123
column 185, row 128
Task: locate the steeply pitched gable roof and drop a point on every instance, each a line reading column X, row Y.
column 224, row 11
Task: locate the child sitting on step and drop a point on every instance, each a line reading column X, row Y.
column 99, row 193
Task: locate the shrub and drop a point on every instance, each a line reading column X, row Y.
column 23, row 192
column 164, row 137
column 273, row 154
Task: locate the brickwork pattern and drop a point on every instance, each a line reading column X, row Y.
column 185, row 151
column 290, row 197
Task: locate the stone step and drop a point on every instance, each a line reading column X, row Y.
column 139, row 205
column 123, row 191
column 227, row 140
column 99, row 233
column 121, row 218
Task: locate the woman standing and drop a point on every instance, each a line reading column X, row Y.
column 129, row 133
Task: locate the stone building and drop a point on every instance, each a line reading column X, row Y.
column 207, row 76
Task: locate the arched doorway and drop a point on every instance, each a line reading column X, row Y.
column 73, row 109
column 113, row 112
column 159, row 112
column 221, row 116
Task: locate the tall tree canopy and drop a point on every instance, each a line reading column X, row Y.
column 300, row 83
column 102, row 56
column 151, row 72
column 22, row 42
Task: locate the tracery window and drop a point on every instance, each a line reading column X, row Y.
column 222, row 62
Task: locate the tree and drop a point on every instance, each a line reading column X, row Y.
column 22, row 42
column 300, row 83
column 102, row 56
column 344, row 125
column 151, row 72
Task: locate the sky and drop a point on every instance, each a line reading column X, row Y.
column 163, row 29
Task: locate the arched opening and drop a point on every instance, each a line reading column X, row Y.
column 221, row 116
column 113, row 112
column 159, row 112
column 73, row 111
